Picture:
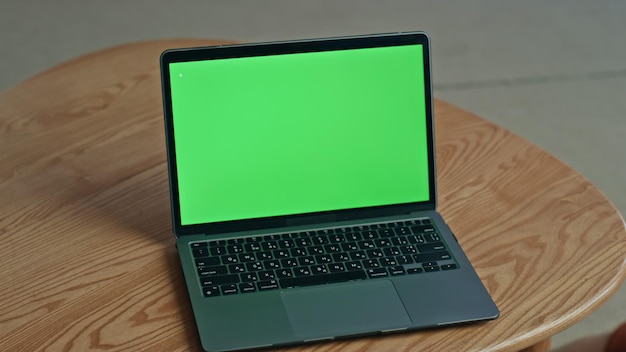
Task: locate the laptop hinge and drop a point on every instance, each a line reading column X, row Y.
column 309, row 220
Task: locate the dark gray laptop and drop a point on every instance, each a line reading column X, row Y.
column 303, row 192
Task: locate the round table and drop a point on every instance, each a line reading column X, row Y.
column 88, row 256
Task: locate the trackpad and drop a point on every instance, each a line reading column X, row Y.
column 344, row 309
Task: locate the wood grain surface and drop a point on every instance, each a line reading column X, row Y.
column 87, row 252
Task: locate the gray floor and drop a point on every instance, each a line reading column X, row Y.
column 553, row 72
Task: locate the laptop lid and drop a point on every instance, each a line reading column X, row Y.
column 275, row 134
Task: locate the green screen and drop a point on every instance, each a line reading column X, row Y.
column 297, row 133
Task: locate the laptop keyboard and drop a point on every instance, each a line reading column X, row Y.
column 283, row 260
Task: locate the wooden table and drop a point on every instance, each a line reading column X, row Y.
column 87, row 252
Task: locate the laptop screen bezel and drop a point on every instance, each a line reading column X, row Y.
column 280, row 48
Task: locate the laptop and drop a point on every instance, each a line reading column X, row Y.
column 303, row 192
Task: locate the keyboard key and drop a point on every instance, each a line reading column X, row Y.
column 229, row 289
column 402, row 231
column 274, row 237
column 288, row 243
column 408, row 249
column 298, row 252
column 255, row 239
column 416, row 239
column 336, row 268
column 426, row 221
column 284, row 273
column 375, row 253
column 302, row 242
column 265, row 256
column 290, row 235
column 389, row 261
column 211, row 291
column 396, row 270
column 255, row 266
column 353, row 236
column 319, row 269
column 302, row 271
column 235, row 241
column 219, row 280
column 325, row 232
column 358, row 255
column 404, row 259
column 216, row 243
column 235, row 248
column 347, row 247
column 341, row 257
column 391, row 251
column 369, row 235
column 230, row 259
column 431, row 268
column 248, row 277
column 252, row 247
column 271, row 264
column 324, row 258
column 217, row 251
column 395, row 224
column 432, row 257
column 199, row 245
column 371, row 263
column 399, row 241
column 356, row 265
column 377, row 272
column 337, row 238
column 431, row 247
column 378, row 226
column 422, row 229
column 316, row 250
column 267, row 285
column 332, row 248
column 289, row 262
column 367, row 244
column 432, row 237
column 246, row 257
column 414, row 270
column 269, row 246
column 382, row 242
column 200, row 252
column 306, row 260
column 212, row 270
column 236, row 268
column 281, row 253
column 319, row 240
column 386, row 233
column 360, row 228
column 207, row 261
column 267, row 275
column 448, row 267
column 247, row 287
column 322, row 279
